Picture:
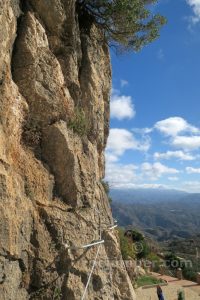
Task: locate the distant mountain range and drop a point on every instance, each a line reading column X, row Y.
column 146, row 195
column 162, row 214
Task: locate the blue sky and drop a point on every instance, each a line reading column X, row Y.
column 155, row 107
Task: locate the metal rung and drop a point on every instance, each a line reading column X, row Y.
column 112, row 227
column 84, row 246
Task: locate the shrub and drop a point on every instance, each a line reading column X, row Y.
column 138, row 242
column 135, row 235
column 31, row 134
column 127, row 248
column 106, row 187
column 181, row 295
column 189, row 274
column 153, row 257
column 57, row 294
column 155, row 260
column 79, row 123
column 173, row 262
column 145, row 250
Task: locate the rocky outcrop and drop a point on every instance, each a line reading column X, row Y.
column 54, row 122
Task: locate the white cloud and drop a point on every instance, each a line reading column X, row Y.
column 126, row 177
column 174, row 126
column 182, row 135
column 191, row 170
column 156, row 170
column 121, row 107
column 173, row 154
column 191, row 186
column 131, row 176
column 141, row 186
column 173, row 178
column 178, row 133
column 111, row 158
column 195, row 4
column 121, row 176
column 142, row 131
column 123, row 83
column 151, row 186
column 120, row 140
column 186, row 142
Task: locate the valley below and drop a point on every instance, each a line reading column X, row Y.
column 169, row 221
column 161, row 214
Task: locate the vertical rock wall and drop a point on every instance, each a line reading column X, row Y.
column 54, row 66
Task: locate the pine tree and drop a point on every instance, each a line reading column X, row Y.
column 127, row 24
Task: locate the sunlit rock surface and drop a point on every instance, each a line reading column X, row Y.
column 50, row 177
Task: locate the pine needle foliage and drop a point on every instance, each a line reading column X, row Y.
column 127, row 24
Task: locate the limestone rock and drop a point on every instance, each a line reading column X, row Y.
column 38, row 74
column 140, row 271
column 76, row 169
column 51, row 64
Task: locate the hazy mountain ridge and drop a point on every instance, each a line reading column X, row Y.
column 162, row 214
column 146, row 195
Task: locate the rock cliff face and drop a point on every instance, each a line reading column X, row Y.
column 54, row 122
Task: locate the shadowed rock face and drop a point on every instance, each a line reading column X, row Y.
column 51, row 65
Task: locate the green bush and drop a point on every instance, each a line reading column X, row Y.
column 155, row 259
column 170, row 259
column 57, row 294
column 181, row 295
column 189, row 274
column 138, row 242
column 135, row 235
column 145, row 250
column 106, row 187
column 126, row 246
column 79, row 123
